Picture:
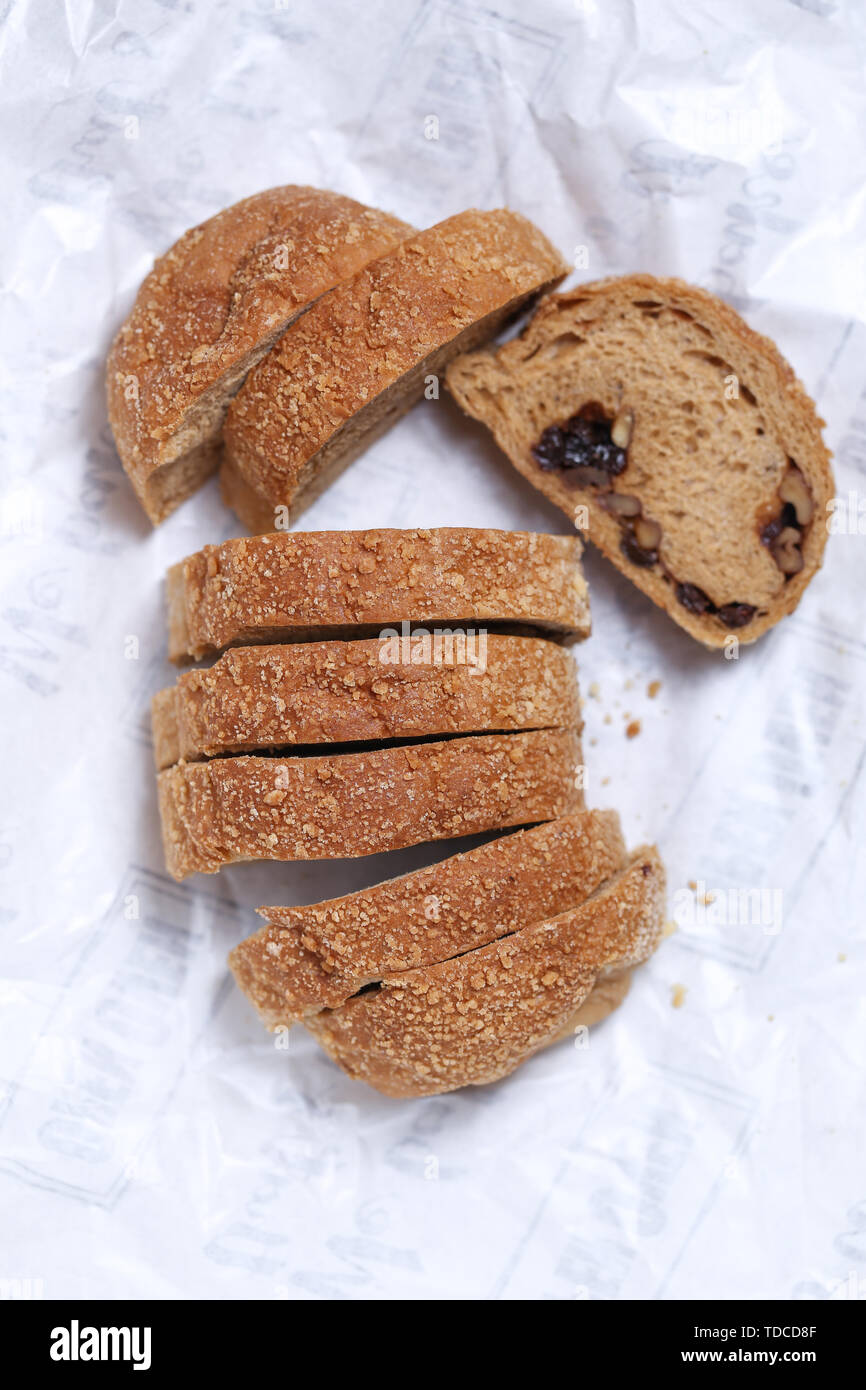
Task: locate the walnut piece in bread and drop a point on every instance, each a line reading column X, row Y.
column 361, row 356
column 210, row 309
column 685, row 435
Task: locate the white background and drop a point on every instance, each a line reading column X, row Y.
column 152, row 1140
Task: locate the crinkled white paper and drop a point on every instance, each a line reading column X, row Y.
column 153, row 1141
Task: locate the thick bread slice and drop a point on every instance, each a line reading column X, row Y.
column 209, row 310
column 310, row 958
column 473, row 1019
column 362, row 357
column 689, row 441
column 348, row 804
column 358, row 692
column 312, row 584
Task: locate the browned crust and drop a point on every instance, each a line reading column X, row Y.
column 365, row 348
column 474, row 380
column 608, row 992
column 359, row 692
column 314, row 957
column 297, row 586
column 207, row 312
column 473, row 1019
column 350, row 804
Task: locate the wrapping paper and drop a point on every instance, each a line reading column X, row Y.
column 153, row 1140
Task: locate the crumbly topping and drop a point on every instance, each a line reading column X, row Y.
column 293, row 585
column 316, row 956
column 473, row 1019
column 351, row 804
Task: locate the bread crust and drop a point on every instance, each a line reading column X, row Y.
column 477, row 381
column 305, row 585
column 361, row 691
column 313, row 957
column 473, row 1019
column 344, row 805
column 212, row 306
column 363, row 353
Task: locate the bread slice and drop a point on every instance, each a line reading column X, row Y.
column 680, row 440
column 209, row 310
column 317, row 584
column 362, row 356
column 343, row 805
column 310, row 958
column 353, row 692
column 473, row 1019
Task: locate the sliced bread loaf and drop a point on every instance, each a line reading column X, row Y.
column 474, row 1018
column 360, row 358
column 209, row 310
column 680, row 440
column 317, row 584
column 310, row 958
column 356, row 692
column 343, row 805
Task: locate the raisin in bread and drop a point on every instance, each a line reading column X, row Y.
column 360, row 691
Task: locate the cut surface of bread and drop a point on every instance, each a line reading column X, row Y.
column 678, row 438
column 314, row 957
column 343, row 805
column 362, row 691
column 473, row 1019
column 363, row 354
column 310, row 584
column 212, row 306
